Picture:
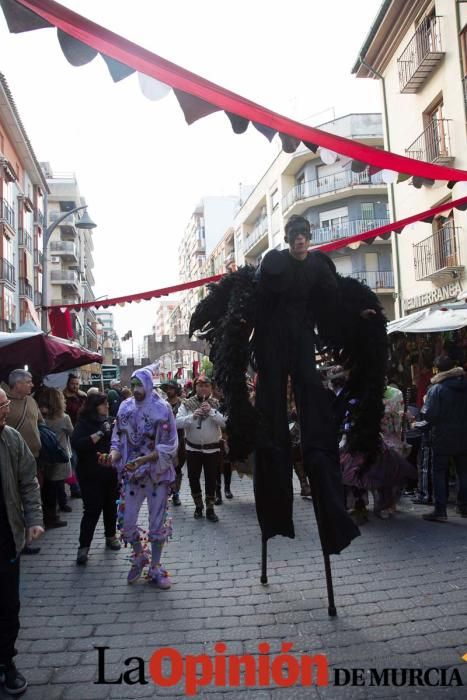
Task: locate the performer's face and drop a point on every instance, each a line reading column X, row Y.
column 137, row 389
column 298, row 246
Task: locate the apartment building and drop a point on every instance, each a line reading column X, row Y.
column 418, row 51
column 338, row 203
column 22, row 189
column 206, row 227
column 70, row 258
column 107, row 337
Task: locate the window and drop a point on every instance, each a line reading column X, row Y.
column 275, row 199
column 368, row 210
column 436, row 132
column 334, row 218
column 343, row 265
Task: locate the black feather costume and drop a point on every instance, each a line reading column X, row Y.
column 282, row 304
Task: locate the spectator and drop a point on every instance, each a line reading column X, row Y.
column 52, row 407
column 173, row 391
column 445, row 410
column 74, row 399
column 20, row 508
column 98, row 481
column 24, row 416
column 115, row 397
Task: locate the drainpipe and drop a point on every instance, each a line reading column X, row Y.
column 393, row 206
column 461, row 65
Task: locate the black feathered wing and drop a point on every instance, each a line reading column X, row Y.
column 361, row 346
column 225, row 318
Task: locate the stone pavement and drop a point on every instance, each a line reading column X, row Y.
column 400, row 592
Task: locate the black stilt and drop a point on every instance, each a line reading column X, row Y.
column 264, row 561
column 327, row 568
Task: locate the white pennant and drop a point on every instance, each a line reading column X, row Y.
column 151, row 88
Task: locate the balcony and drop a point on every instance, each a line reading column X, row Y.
column 421, row 56
column 7, row 272
column 38, row 258
column 229, row 258
column 37, row 299
column 7, row 326
column 25, row 289
column 253, row 239
column 68, row 277
column 66, row 249
column 437, row 257
column 38, row 217
column 24, row 239
column 378, row 280
column 7, row 214
column 328, row 187
column 345, row 230
column 68, row 225
column 433, row 144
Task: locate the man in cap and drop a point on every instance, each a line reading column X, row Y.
column 202, row 422
column 173, row 391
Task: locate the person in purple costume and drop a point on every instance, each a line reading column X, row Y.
column 144, row 442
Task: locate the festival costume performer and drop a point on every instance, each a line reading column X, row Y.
column 293, row 292
column 144, row 444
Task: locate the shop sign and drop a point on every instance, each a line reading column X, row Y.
column 435, row 296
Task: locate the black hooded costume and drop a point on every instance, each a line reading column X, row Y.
column 286, row 302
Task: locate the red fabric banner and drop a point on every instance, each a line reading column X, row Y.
column 130, row 54
column 397, row 227
column 60, row 323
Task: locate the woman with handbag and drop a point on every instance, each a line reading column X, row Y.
column 97, row 479
column 52, row 407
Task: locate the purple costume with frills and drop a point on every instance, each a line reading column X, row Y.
column 142, row 427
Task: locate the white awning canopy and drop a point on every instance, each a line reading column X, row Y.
column 449, row 317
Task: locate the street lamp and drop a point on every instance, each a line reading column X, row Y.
column 85, row 223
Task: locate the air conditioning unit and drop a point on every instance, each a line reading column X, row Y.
column 54, row 258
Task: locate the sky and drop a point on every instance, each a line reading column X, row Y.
column 141, row 168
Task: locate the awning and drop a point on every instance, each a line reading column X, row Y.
column 450, row 317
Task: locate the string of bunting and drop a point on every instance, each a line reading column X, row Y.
column 366, row 237
column 81, row 40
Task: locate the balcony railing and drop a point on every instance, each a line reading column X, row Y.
column 6, row 213
column 438, row 254
column 63, row 248
column 38, row 217
column 258, row 232
column 327, row 184
column 375, row 279
column 37, row 299
column 421, row 55
column 24, row 239
column 433, row 144
column 7, row 272
column 68, row 221
column 64, row 277
column 25, row 289
column 38, row 258
column 345, row 230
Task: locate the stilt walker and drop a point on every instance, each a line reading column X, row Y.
column 267, row 317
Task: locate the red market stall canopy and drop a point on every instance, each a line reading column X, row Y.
column 43, row 354
column 82, row 40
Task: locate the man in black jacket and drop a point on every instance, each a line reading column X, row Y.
column 446, row 410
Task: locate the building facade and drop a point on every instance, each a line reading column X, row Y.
column 418, row 51
column 337, row 202
column 206, row 227
column 22, row 190
column 70, row 258
column 107, row 337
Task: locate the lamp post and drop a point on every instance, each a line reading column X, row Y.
column 84, row 223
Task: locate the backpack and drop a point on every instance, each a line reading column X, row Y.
column 51, row 451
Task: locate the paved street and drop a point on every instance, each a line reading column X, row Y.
column 400, row 592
